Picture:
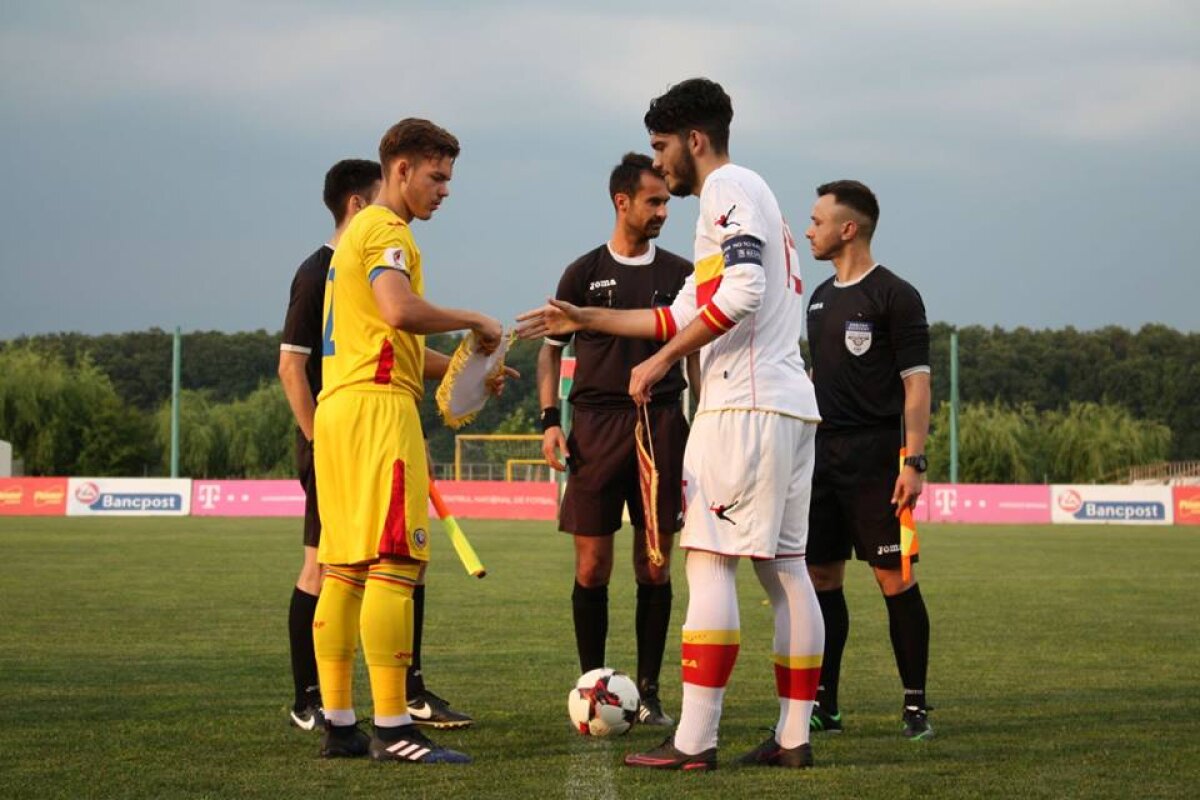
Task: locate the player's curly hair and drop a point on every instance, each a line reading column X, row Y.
column 416, row 137
column 695, row 104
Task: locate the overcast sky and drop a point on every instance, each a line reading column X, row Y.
column 1037, row 163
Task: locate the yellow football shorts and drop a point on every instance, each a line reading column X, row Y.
column 372, row 477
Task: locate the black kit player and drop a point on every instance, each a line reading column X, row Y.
column 350, row 186
column 870, row 351
column 628, row 271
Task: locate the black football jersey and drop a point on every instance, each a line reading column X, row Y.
column 302, row 326
column 864, row 338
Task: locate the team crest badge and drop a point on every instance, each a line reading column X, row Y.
column 419, row 537
column 394, row 256
column 858, row 337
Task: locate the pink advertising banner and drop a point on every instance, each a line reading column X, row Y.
column 284, row 498
column 988, row 502
column 466, row 499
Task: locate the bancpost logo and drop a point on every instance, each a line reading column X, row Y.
column 89, row 494
column 11, row 497
column 1070, row 501
column 946, row 500
column 1115, row 510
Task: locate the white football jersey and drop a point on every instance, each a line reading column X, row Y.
column 756, row 363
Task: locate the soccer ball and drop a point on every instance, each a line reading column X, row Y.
column 604, row 702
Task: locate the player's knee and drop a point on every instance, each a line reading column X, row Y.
column 891, row 581
column 827, row 577
column 646, row 572
column 593, row 573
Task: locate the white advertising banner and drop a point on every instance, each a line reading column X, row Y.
column 128, row 497
column 1121, row 505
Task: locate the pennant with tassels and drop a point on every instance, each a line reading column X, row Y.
column 648, row 482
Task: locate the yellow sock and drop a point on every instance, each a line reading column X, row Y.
column 387, row 635
column 335, row 634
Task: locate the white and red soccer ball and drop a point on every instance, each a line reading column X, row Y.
column 604, row 702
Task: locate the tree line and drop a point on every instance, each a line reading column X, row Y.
column 1057, row 405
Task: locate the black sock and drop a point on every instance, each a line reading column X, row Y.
column 837, row 628
column 908, row 622
column 652, row 622
column 304, row 661
column 591, row 624
column 416, row 681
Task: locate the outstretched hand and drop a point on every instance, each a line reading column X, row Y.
column 556, row 318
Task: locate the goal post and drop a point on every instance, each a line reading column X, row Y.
column 500, row 456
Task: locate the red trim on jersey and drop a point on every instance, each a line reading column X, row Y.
column 708, row 664
column 393, row 541
column 797, row 684
column 706, row 290
column 715, row 319
column 387, row 359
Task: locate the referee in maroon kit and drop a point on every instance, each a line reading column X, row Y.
column 870, row 355
column 628, row 271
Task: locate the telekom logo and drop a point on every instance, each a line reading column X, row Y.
column 945, row 500
column 209, row 493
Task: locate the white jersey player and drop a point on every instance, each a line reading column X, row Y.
column 748, row 463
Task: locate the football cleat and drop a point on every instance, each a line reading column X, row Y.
column 428, row 709
column 308, row 718
column 344, row 741
column 772, row 754
column 822, row 721
column 650, row 707
column 667, row 756
column 406, row 743
column 916, row 724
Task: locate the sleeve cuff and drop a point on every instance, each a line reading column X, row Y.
column 555, row 342
column 904, row 373
column 295, row 348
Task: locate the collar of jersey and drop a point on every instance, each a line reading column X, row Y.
column 644, row 260
column 857, row 280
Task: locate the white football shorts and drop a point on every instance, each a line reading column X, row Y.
column 748, row 482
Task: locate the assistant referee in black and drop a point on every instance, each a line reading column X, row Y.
column 870, row 352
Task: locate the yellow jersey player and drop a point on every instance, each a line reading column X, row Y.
column 372, row 473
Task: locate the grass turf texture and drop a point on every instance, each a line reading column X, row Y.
column 148, row 658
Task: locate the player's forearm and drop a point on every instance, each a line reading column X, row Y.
column 637, row 323
column 549, row 367
column 688, row 341
column 693, row 375
column 297, row 391
column 416, row 315
column 436, row 364
column 916, row 412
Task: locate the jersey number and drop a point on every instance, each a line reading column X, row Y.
column 327, row 347
column 789, row 250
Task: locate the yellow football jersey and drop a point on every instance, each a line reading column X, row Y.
column 359, row 349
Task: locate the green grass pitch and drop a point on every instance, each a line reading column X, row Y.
column 148, row 658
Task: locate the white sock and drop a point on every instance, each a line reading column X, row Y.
column 393, row 721
column 799, row 634
column 340, row 716
column 712, row 606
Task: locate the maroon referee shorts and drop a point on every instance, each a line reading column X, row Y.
column 604, row 476
column 308, row 479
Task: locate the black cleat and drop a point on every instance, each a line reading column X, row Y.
column 822, row 721
column 428, row 709
column 916, row 724
column 344, row 741
column 406, row 743
column 650, row 707
column 771, row 754
column 667, row 756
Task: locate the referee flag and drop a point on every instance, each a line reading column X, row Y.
column 909, row 545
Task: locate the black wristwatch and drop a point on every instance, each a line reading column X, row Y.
column 919, row 463
column 551, row 418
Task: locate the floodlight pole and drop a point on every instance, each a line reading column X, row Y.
column 954, row 406
column 175, row 405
